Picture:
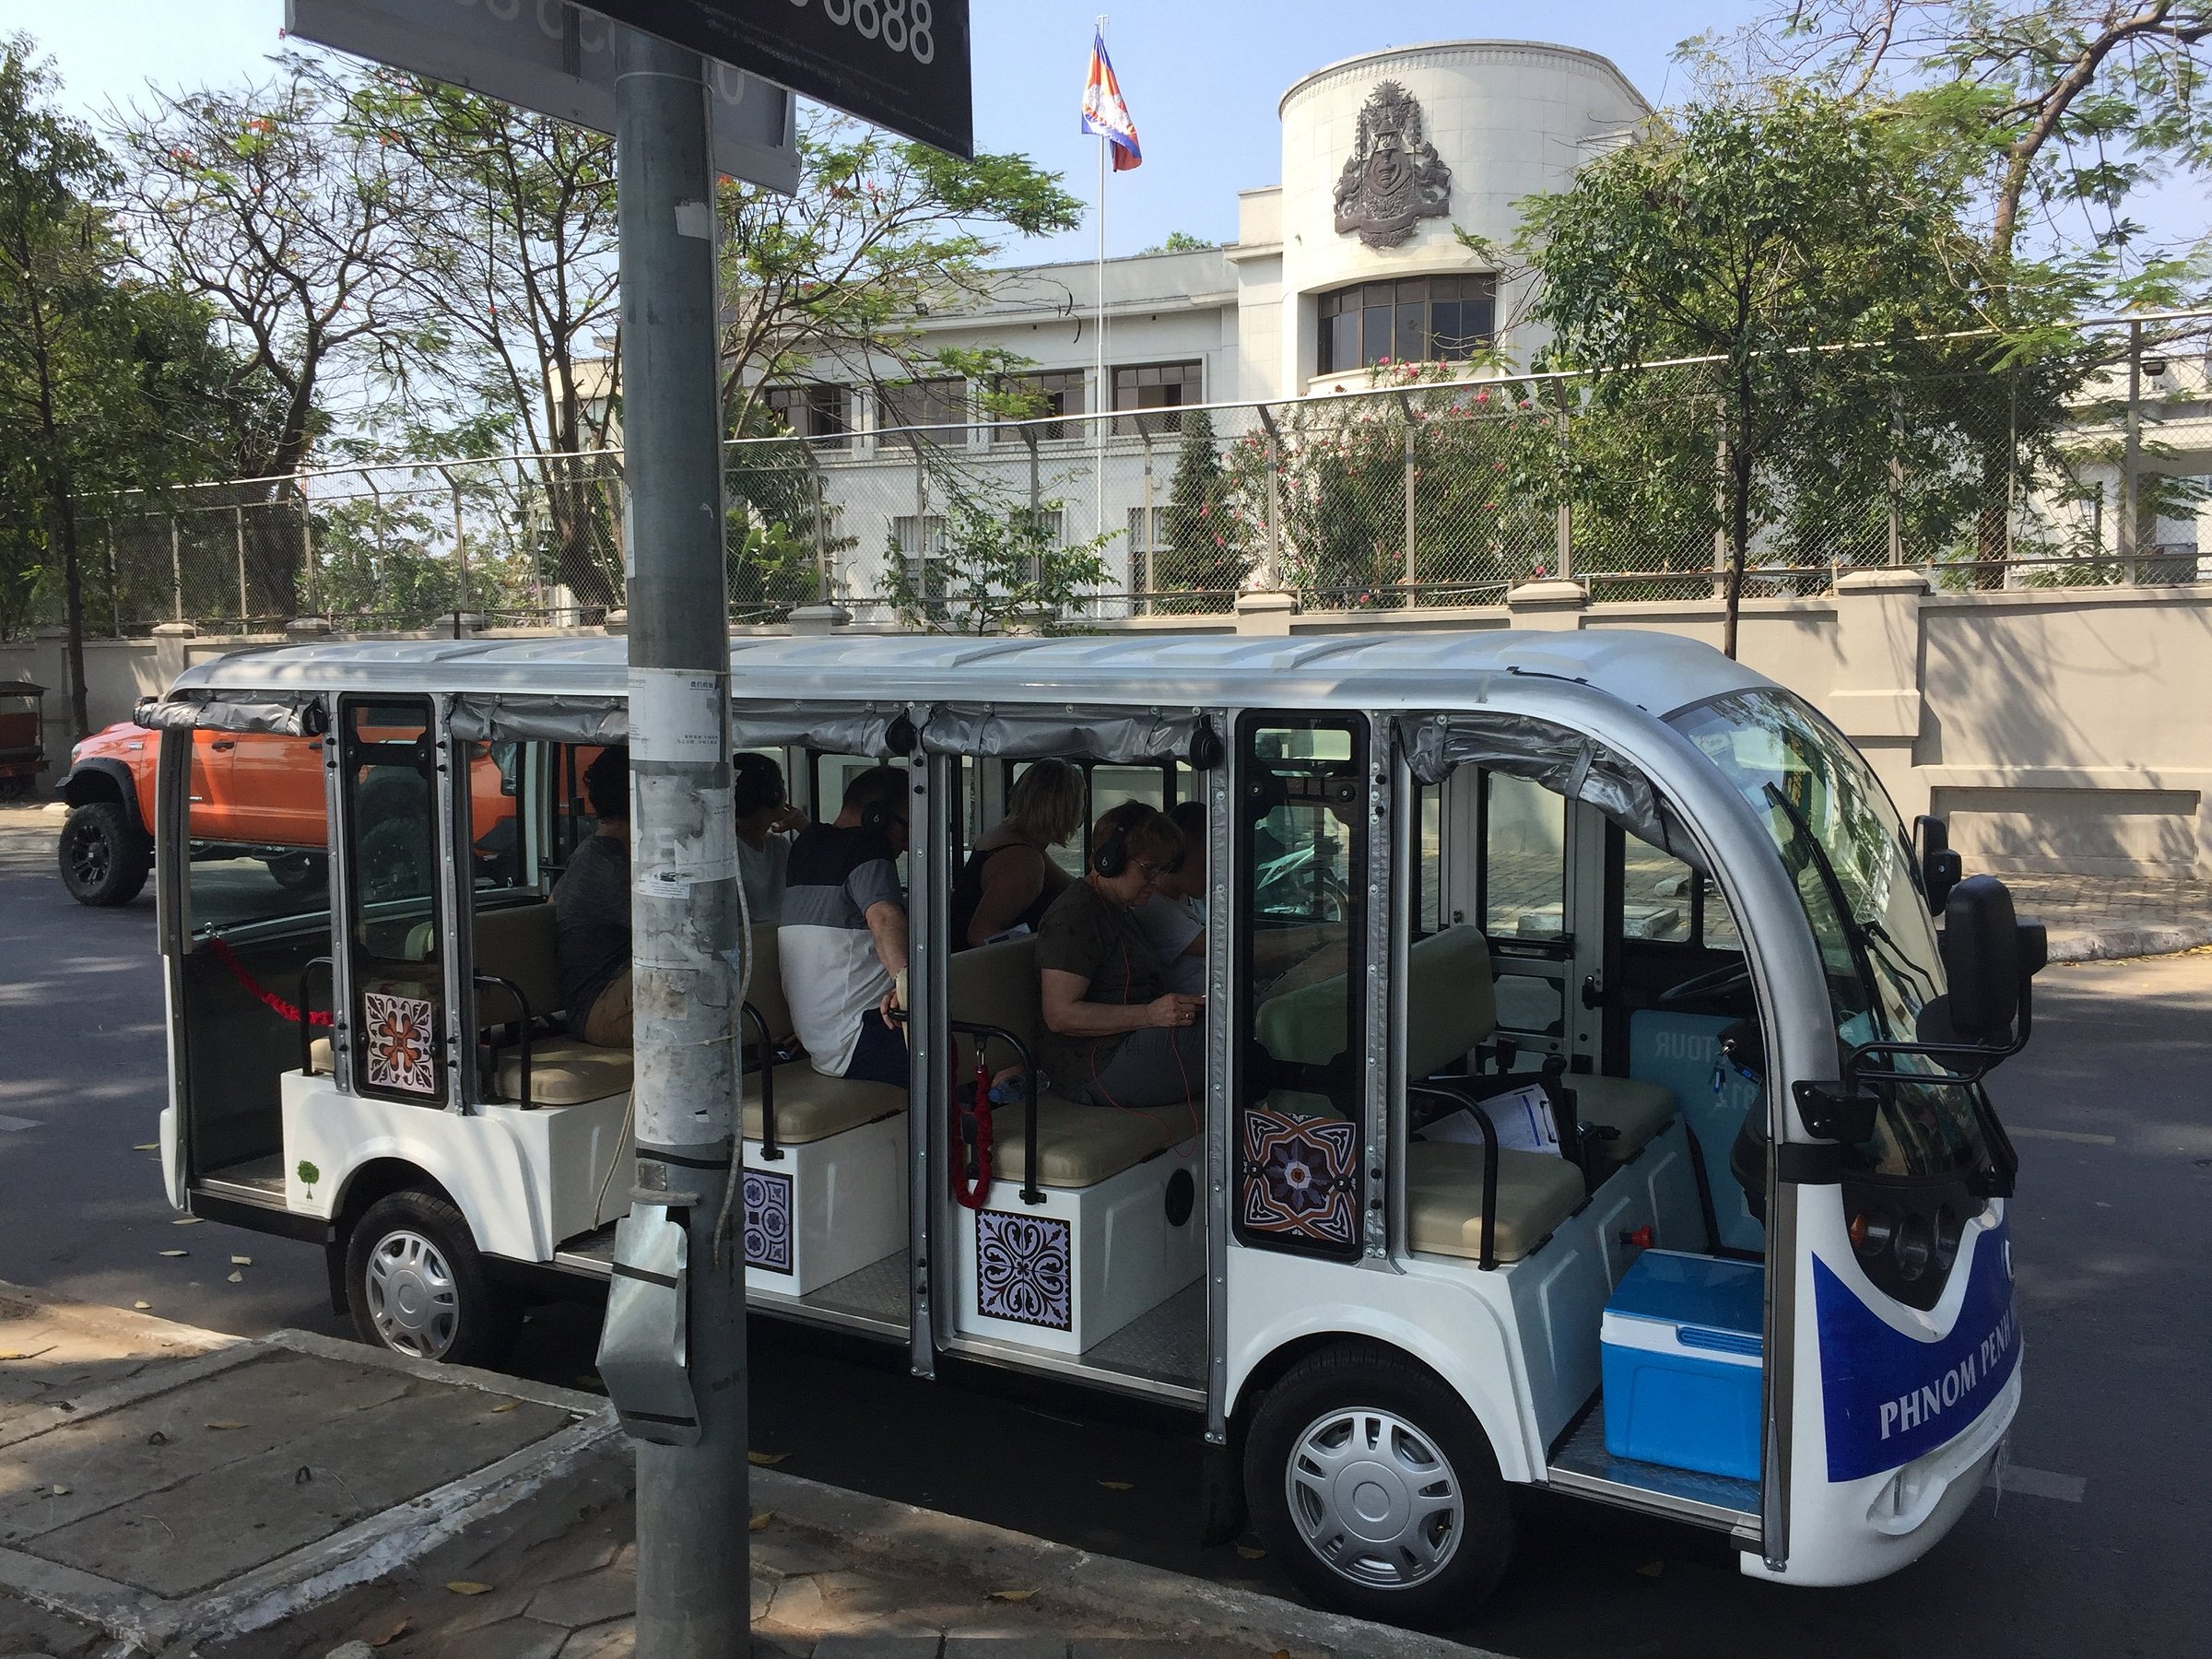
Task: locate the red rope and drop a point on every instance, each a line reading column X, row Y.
column 973, row 1193
column 276, row 1004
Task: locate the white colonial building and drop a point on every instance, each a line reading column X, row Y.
column 1355, row 257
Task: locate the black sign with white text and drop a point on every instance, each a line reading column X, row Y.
column 901, row 63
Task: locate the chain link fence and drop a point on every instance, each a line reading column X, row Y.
column 2087, row 462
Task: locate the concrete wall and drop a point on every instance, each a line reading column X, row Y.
column 2060, row 731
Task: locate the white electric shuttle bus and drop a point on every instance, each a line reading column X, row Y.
column 1591, row 1102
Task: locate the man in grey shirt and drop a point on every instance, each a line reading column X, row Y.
column 591, row 909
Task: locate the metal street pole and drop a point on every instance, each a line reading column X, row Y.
column 693, row 1587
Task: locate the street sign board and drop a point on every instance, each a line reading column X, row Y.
column 901, row 63
column 552, row 57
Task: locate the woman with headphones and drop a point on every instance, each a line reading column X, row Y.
column 1113, row 1035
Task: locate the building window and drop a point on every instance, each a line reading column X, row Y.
column 921, row 543
column 930, row 405
column 822, row 413
column 1418, row 320
column 1157, row 386
column 1060, row 392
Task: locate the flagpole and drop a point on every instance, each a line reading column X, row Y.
column 1105, row 390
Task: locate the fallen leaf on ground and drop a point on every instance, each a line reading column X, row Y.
column 241, row 1261
column 393, row 1635
column 176, row 1253
column 148, row 1146
column 1651, row 1569
column 223, row 1423
column 59, row 1491
column 760, row 1522
column 1119, row 1485
column 142, row 1306
column 237, row 1278
column 1012, row 1595
column 766, row 1460
column 33, row 1354
column 1249, row 1553
column 509, row 1406
column 188, row 1220
column 468, row 1587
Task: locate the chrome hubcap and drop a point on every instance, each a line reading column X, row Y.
column 1374, row 1497
column 412, row 1301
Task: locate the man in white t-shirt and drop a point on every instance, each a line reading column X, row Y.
column 1173, row 919
column 843, row 938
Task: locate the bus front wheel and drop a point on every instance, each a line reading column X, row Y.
column 416, row 1283
column 1374, row 1486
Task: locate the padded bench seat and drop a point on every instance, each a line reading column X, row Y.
column 811, row 1107
column 1634, row 1110
column 1537, row 1192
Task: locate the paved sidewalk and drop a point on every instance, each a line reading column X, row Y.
column 2096, row 918
column 171, row 1491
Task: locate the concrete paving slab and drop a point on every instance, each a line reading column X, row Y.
column 876, row 1647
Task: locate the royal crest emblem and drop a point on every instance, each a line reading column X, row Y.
column 1393, row 178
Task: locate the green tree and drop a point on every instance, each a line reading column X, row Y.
column 1758, row 237
column 105, row 384
column 990, row 568
column 1177, row 242
column 1202, row 541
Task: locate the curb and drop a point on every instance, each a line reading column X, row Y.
column 2114, row 944
column 1102, row 1585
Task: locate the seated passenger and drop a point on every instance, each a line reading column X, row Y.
column 1009, row 879
column 591, row 911
column 842, row 937
column 1173, row 919
column 766, row 823
column 1112, row 1037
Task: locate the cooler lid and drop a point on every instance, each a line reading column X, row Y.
column 1675, row 1288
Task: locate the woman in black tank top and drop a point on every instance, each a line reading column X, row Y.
column 991, row 894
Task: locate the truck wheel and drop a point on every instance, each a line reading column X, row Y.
column 1376, row 1489
column 104, row 858
column 417, row 1285
column 299, row 874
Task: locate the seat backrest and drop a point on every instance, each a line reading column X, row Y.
column 519, row 943
column 1452, row 1005
column 1451, row 1009
column 764, row 987
column 996, row 984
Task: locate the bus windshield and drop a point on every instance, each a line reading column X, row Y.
column 1851, row 863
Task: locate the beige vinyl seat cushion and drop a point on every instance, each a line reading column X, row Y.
column 811, row 1107
column 1444, row 1199
column 565, row 1071
column 1077, row 1146
column 1633, row 1109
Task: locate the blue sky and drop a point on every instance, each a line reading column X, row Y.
column 1202, row 78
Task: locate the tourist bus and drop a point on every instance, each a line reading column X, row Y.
column 1589, row 1099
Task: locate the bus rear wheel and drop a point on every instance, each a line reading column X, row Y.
column 1376, row 1489
column 416, row 1283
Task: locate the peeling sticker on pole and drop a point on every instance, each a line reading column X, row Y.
column 674, row 714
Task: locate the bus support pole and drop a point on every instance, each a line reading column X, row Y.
column 693, row 1582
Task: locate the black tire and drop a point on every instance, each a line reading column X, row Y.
column 104, row 858
column 416, row 1284
column 299, row 874
column 1422, row 1443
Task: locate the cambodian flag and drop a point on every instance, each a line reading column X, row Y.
column 1105, row 113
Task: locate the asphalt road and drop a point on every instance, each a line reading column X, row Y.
column 2099, row 1547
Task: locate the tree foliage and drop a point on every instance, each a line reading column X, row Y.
column 991, row 568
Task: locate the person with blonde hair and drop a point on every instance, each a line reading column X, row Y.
column 1010, row 880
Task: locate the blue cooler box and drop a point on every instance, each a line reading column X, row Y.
column 1683, row 1357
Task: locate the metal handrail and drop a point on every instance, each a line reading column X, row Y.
column 765, row 1065
column 1031, row 1191
column 522, row 1002
column 1488, row 1259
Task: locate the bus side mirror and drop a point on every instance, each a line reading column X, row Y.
column 1989, row 956
column 1940, row 868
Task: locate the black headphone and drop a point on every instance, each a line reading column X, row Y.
column 1111, row 856
column 877, row 818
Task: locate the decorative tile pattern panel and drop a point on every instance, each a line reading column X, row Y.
column 402, row 1044
column 768, row 1220
column 1024, row 1270
column 1299, row 1176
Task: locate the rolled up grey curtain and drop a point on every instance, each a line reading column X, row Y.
column 197, row 709
column 1017, row 731
column 1577, row 766
column 489, row 717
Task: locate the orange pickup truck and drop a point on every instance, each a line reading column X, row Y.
column 252, row 792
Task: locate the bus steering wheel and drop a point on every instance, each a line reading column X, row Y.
column 1734, row 976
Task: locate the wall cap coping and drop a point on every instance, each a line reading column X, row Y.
column 820, row 618
column 1479, row 50
column 1268, row 599
column 2179, row 593
column 175, row 630
column 1882, row 582
column 1555, row 593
